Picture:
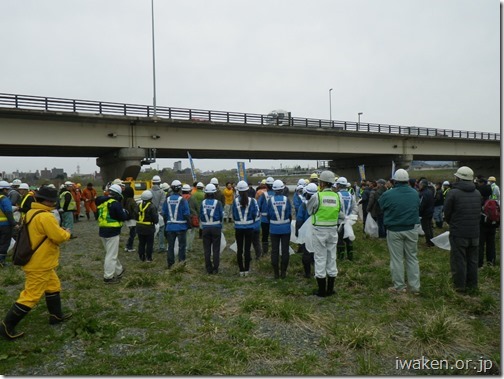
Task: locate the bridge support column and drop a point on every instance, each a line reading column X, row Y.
column 122, row 163
column 376, row 167
column 484, row 166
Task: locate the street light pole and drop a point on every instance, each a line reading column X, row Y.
column 330, row 105
column 153, row 60
column 358, row 123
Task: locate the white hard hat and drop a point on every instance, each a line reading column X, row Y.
column 446, row 183
column 300, row 187
column 210, row 188
column 269, row 180
column 186, row 187
column 278, row 185
column 68, row 183
column 301, row 182
column 401, row 175
column 116, row 181
column 50, row 185
column 116, row 188
column 164, row 186
column 465, row 173
column 214, row 181
column 200, row 185
column 242, row 186
column 342, row 181
column 24, row 186
column 146, row 195
column 156, row 179
column 4, row 184
column 16, row 182
column 327, row 176
column 176, row 183
column 311, row 188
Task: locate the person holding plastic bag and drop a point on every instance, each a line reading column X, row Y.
column 348, row 209
column 245, row 215
column 324, row 209
column 301, row 217
column 400, row 215
column 211, row 216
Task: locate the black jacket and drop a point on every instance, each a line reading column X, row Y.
column 462, row 210
column 426, row 209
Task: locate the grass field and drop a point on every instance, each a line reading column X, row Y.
column 185, row 322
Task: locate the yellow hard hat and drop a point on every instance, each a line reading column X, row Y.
column 492, row 179
column 314, row 176
column 263, row 181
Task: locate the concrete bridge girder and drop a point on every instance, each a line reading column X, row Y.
column 122, row 163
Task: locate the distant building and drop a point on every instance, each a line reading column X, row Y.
column 177, row 166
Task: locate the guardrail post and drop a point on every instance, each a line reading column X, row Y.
column 209, row 115
column 227, row 117
column 245, row 118
column 16, row 100
column 74, row 106
column 100, row 107
column 125, row 111
column 46, row 103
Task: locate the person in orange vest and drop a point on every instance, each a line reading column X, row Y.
column 89, row 196
column 77, row 195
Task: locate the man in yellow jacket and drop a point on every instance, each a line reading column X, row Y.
column 40, row 272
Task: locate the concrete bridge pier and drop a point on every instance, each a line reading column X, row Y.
column 376, row 167
column 122, row 163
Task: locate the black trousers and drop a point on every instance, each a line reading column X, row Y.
column 487, row 239
column 145, row 246
column 464, row 262
column 211, row 243
column 426, row 223
column 280, row 242
column 243, row 244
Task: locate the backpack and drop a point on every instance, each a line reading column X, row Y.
column 491, row 211
column 22, row 249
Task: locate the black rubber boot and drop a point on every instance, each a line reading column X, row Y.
column 330, row 286
column 350, row 253
column 15, row 314
column 53, row 301
column 307, row 270
column 321, row 292
column 340, row 253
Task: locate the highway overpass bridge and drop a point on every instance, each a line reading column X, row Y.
column 124, row 136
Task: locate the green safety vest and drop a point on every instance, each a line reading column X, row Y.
column 104, row 219
column 328, row 209
column 72, row 206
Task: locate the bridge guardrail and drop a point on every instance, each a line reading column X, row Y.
column 207, row 116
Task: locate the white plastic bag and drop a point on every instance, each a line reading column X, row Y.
column 442, row 241
column 371, row 228
column 12, row 243
column 293, row 237
column 305, row 235
column 419, row 230
column 348, row 227
column 234, row 247
column 222, row 243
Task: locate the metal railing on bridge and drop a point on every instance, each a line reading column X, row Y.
column 207, row 116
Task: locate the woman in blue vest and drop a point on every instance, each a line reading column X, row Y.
column 245, row 212
column 211, row 216
column 279, row 216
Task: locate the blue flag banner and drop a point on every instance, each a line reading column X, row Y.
column 362, row 172
column 193, row 173
column 242, row 172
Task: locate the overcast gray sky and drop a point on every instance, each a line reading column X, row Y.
column 426, row 63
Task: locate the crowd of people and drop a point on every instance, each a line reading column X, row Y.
column 318, row 216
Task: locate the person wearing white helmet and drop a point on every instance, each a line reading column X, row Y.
column 158, row 199
column 111, row 216
column 301, row 216
column 297, row 198
column 218, row 195
column 27, row 198
column 245, row 215
column 262, row 202
column 211, row 216
column 67, row 207
column 462, row 212
column 41, row 278
column 348, row 207
column 279, row 213
column 324, row 210
column 14, row 195
column 400, row 207
column 146, row 216
column 177, row 218
column 7, row 221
